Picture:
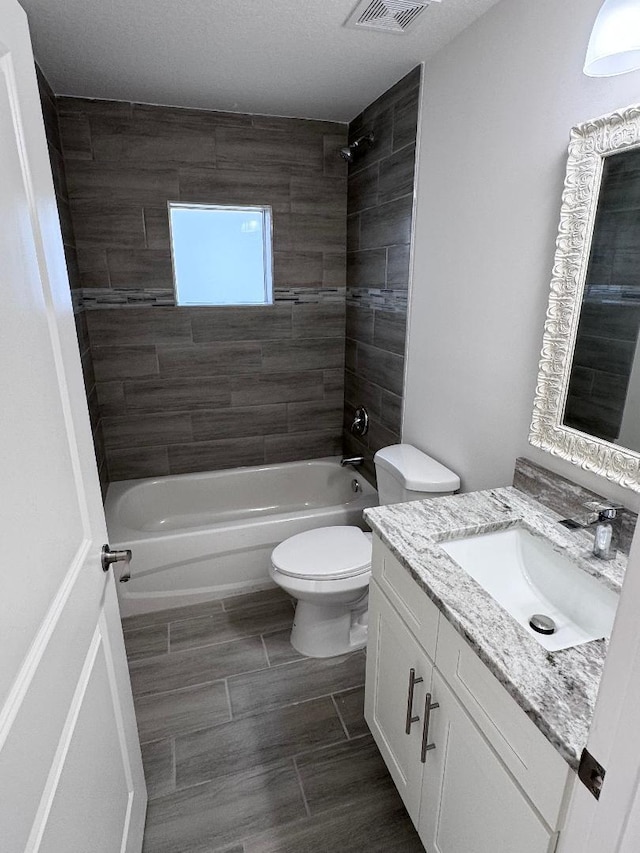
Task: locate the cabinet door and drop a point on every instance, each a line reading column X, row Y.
column 392, row 653
column 469, row 801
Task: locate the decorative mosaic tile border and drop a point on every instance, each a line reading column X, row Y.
column 106, row 297
column 374, row 297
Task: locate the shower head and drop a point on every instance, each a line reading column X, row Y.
column 350, row 152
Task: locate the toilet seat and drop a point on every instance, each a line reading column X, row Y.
column 323, row 554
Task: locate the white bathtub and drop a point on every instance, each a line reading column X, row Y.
column 197, row 537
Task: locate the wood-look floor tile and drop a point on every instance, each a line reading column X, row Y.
column 162, row 715
column 279, row 648
column 146, row 642
column 351, row 708
column 262, row 596
column 382, row 826
column 294, row 682
column 158, row 617
column 258, row 740
column 348, row 773
column 196, row 666
column 208, row 816
column 159, row 767
column 231, row 625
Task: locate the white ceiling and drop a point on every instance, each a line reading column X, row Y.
column 278, row 57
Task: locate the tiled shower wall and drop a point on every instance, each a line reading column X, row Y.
column 380, row 209
column 202, row 388
column 52, row 130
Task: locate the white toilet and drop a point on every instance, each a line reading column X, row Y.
column 328, row 569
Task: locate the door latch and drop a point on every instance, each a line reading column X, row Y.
column 591, row 774
column 109, row 557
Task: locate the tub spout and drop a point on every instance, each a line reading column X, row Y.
column 352, row 460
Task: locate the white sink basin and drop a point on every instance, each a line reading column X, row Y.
column 526, row 576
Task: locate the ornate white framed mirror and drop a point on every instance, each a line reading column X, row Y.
column 587, row 403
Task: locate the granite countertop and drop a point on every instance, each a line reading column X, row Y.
column 557, row 690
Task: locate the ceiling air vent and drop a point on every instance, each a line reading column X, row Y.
column 391, row 16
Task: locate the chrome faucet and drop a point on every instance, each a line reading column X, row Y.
column 351, row 460
column 607, row 519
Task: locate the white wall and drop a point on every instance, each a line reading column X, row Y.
column 498, row 104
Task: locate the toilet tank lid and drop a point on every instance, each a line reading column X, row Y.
column 420, row 473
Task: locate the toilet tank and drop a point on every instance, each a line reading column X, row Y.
column 405, row 473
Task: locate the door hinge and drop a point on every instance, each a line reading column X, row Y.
column 591, row 774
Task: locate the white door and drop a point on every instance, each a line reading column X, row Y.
column 70, row 768
column 470, row 802
column 394, row 661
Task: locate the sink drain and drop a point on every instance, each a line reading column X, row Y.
column 542, row 624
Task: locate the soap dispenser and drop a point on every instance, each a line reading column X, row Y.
column 604, row 545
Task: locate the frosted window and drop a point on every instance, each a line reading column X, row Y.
column 221, row 255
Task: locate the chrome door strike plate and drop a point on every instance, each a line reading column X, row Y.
column 591, row 774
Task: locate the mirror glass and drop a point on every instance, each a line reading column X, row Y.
column 603, row 395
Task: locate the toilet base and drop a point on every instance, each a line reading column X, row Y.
column 323, row 631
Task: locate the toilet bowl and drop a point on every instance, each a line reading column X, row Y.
column 327, row 570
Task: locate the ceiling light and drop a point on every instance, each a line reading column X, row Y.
column 614, row 46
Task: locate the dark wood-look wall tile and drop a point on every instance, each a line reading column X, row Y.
column 261, row 149
column 363, row 189
column 333, row 385
column 359, row 392
column 75, row 137
column 111, row 398
column 397, row 174
column 298, row 269
column 398, row 258
column 160, row 428
column 138, row 462
column 216, row 455
column 380, row 367
column 179, row 395
column 334, row 164
column 386, row 225
column 360, row 323
column 137, row 268
column 301, row 445
column 208, row 185
column 113, row 327
column 239, row 422
column 156, row 227
column 323, row 320
column 277, row 387
column 245, row 323
column 334, row 269
column 405, row 119
column 319, row 195
column 222, row 359
column 123, row 362
column 381, row 184
column 367, row 268
column 389, row 331
column 314, row 416
column 140, row 184
column 310, row 354
column 126, row 161
column 100, row 223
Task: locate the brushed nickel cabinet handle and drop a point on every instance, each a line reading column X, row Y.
column 429, row 706
column 412, row 683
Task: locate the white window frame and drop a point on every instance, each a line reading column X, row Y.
column 266, row 213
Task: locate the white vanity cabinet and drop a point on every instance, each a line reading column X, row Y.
column 480, row 778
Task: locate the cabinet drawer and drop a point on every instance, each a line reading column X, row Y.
column 534, row 763
column 419, row 613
